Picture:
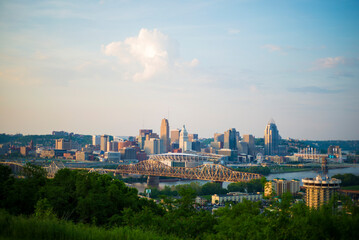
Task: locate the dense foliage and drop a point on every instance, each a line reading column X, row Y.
column 82, row 205
column 256, row 185
column 209, row 188
column 348, row 179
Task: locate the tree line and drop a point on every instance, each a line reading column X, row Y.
column 77, row 198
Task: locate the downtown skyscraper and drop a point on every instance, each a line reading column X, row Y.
column 271, row 139
column 165, row 135
column 231, row 139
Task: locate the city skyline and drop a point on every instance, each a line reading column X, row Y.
column 116, row 67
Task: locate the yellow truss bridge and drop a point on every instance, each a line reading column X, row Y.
column 210, row 172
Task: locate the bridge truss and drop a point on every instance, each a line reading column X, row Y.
column 211, row 172
column 53, row 168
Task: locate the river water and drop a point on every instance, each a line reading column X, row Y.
column 289, row 176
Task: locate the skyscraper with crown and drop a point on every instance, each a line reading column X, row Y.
column 184, row 144
column 271, row 139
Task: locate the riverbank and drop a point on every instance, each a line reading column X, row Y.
column 288, row 170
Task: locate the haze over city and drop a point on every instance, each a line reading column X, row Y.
column 117, row 66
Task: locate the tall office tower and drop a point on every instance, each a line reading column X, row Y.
column 184, row 144
column 165, row 135
column 152, row 146
column 271, row 139
column 112, row 146
column 96, row 140
column 243, row 147
column 63, row 144
column 175, row 134
column 230, row 139
column 319, row 191
column 219, row 137
column 104, row 140
column 144, row 132
column 192, row 137
column 248, row 138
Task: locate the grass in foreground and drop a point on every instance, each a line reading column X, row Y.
column 19, row 227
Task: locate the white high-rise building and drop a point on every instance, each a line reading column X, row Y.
column 184, row 144
column 96, row 140
column 152, row 146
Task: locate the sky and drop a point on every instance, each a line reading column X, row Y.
column 113, row 67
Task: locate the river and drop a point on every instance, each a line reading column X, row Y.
column 289, row 176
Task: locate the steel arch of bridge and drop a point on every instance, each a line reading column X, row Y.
column 211, row 172
column 16, row 167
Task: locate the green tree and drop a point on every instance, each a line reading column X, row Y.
column 43, row 209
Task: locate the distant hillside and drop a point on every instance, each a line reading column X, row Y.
column 45, row 140
column 352, row 145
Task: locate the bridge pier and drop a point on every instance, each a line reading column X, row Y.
column 153, row 181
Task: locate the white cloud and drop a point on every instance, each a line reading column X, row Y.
column 233, row 31
column 329, row 62
column 272, row 48
column 148, row 55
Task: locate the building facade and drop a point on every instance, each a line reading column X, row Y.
column 82, row 156
column 218, row 137
column 104, row 140
column 249, row 139
column 184, row 144
column 235, row 197
column 319, row 191
column 278, row 186
column 230, row 139
column 175, row 134
column 63, row 144
column 165, row 135
column 152, row 146
column 96, row 140
column 271, row 139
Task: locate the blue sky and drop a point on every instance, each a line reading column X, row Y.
column 116, row 66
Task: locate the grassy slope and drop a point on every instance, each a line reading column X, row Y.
column 12, row 227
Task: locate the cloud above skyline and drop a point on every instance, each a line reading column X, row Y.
column 332, row 62
column 329, row 62
column 148, row 55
